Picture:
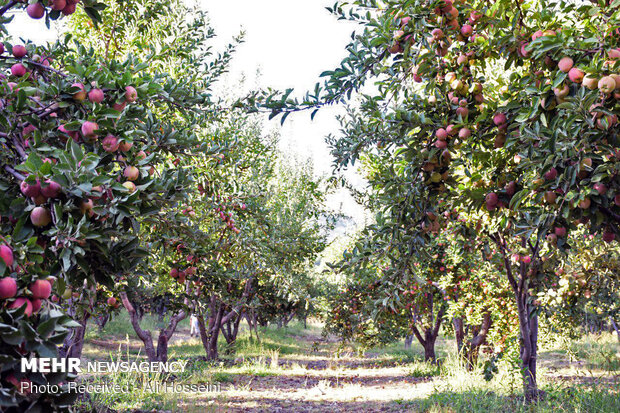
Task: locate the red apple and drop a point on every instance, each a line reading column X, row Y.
column 576, row 75
column 130, row 186
column 19, row 51
column 125, row 146
column 467, row 30
column 464, row 133
column 35, row 10
column 58, row 4
column 492, row 199
column 560, row 232
column 86, row 206
column 96, row 95
column 40, row 217
column 608, row 236
column 119, row 106
column 511, row 188
column 550, row 197
column 6, row 253
column 585, row 203
column 30, row 190
column 600, row 188
column 551, row 174
column 565, row 64
column 131, row 95
column 72, row 134
column 131, row 173
column 81, row 95
column 441, row 144
column 110, row 143
column 69, row 9
column 51, row 189
column 441, row 134
column 18, row 70
column 19, row 302
column 89, row 129
column 8, row 288
column 499, row 119
column 41, row 289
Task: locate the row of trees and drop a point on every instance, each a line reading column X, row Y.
column 489, row 136
column 126, row 183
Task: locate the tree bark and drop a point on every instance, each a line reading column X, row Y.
column 408, row 341
column 431, row 332
column 471, row 351
column 458, row 334
column 74, row 343
column 161, row 352
column 102, row 321
column 615, row 326
column 528, row 319
column 209, row 333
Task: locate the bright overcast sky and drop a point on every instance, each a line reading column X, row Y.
column 290, row 42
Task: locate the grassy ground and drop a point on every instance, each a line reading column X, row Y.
column 295, row 369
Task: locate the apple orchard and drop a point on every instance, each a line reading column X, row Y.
column 487, row 134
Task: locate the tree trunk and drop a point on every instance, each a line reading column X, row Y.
column 429, row 351
column 102, row 321
column 528, row 326
column 74, row 343
column 615, row 326
column 408, row 341
column 430, row 331
column 519, row 280
column 289, row 318
column 252, row 323
column 210, row 333
column 471, row 349
column 458, row 334
column 161, row 352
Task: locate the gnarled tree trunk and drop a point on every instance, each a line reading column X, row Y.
column 615, row 326
column 528, row 318
column 431, row 331
column 230, row 330
column 161, row 352
column 209, row 336
column 459, row 333
column 472, row 349
column 74, row 343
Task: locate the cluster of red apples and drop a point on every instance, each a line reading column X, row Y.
column 31, row 298
column 37, row 10
column 455, row 42
column 40, row 191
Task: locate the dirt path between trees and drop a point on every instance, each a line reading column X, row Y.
column 318, row 382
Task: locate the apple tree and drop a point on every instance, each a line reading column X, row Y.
column 506, row 111
column 87, row 148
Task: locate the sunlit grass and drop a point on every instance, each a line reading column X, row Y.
column 293, row 365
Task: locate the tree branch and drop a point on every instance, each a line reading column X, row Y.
column 13, row 172
column 7, row 7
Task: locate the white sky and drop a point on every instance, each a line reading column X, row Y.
column 290, row 42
